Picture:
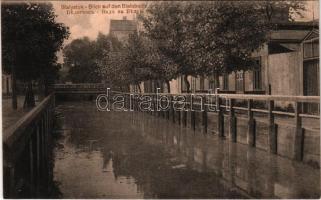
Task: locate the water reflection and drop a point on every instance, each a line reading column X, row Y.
column 135, row 155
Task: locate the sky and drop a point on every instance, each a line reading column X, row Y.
column 89, row 25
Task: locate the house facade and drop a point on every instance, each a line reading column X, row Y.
column 287, row 65
column 121, row 29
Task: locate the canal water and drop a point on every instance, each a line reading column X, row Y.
column 136, row 155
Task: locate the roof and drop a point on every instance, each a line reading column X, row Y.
column 295, row 32
column 276, row 48
column 288, row 35
column 314, row 34
column 123, row 25
column 295, row 25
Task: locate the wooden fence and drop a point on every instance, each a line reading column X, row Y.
column 84, row 88
column 26, row 144
column 26, row 152
column 231, row 107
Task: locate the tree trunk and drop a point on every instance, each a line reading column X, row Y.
column 157, row 85
column 46, row 87
column 269, row 11
column 168, row 86
column 161, row 85
column 42, row 88
column 188, row 85
column 46, row 90
column 217, row 80
column 30, row 97
column 7, row 88
column 14, row 89
column 139, row 89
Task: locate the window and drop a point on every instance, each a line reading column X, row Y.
column 311, row 49
column 211, row 84
column 201, row 83
column 184, row 87
column 225, row 81
column 193, row 88
column 239, row 76
column 257, row 76
column 307, row 48
column 315, row 46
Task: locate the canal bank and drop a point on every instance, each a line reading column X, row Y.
column 136, row 155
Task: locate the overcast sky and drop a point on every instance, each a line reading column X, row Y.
column 90, row 25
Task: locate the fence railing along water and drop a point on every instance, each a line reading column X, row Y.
column 279, row 124
column 275, row 123
column 26, row 149
column 81, row 88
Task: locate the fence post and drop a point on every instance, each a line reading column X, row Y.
column 172, row 108
column 38, row 157
column 272, row 128
column 204, row 116
column 193, row 119
column 220, row 117
column 185, row 111
column 54, row 100
column 233, row 122
column 128, row 102
column 299, row 133
column 47, row 148
column 151, row 104
column 165, row 112
column 12, row 190
column 135, row 102
column 251, row 137
column 31, row 166
column 42, row 147
column 49, row 116
column 153, row 109
column 162, row 112
column 156, row 107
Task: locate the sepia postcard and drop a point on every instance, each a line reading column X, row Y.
column 160, row 99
